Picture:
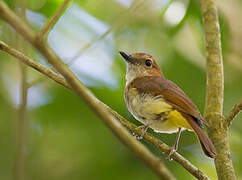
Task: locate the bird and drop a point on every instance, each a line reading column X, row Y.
column 159, row 103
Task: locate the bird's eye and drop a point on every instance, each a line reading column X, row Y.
column 148, row 63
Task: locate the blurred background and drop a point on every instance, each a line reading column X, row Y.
column 61, row 137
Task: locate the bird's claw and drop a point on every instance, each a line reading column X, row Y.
column 144, row 129
column 172, row 151
column 137, row 136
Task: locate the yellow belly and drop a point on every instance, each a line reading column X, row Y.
column 145, row 109
column 174, row 121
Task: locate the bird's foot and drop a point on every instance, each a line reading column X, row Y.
column 175, row 146
column 143, row 128
column 172, row 151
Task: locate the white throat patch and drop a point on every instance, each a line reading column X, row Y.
column 134, row 71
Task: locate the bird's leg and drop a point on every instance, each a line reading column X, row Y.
column 146, row 126
column 175, row 146
column 144, row 129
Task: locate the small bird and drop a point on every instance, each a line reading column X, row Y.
column 159, row 103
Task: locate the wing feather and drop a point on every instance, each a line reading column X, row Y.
column 159, row 86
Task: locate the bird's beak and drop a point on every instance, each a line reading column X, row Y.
column 127, row 57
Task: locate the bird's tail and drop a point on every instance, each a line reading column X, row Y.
column 207, row 145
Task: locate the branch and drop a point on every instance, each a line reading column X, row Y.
column 234, row 112
column 88, row 45
column 148, row 137
column 52, row 21
column 35, row 81
column 19, row 25
column 135, row 5
column 215, row 77
column 29, row 62
column 22, row 119
column 217, row 129
column 21, row 135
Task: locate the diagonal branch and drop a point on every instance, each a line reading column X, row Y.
column 148, row 137
column 52, row 21
column 234, row 112
column 29, row 62
column 218, row 129
column 20, row 26
column 88, row 45
column 35, row 81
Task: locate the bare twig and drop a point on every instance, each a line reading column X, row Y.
column 234, row 112
column 148, row 137
column 20, row 159
column 217, row 130
column 88, row 45
column 22, row 120
column 135, row 5
column 52, row 21
column 35, row 81
column 21, row 27
column 26, row 60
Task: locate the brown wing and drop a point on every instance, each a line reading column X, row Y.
column 170, row 92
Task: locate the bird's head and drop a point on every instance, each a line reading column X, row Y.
column 139, row 65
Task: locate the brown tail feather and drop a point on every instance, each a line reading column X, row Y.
column 207, row 145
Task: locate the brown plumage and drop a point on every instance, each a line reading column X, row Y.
column 145, row 81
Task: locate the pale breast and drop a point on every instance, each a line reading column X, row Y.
column 151, row 110
column 144, row 107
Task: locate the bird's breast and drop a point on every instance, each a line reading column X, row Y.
column 145, row 107
column 154, row 110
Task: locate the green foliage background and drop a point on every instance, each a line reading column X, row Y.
column 65, row 139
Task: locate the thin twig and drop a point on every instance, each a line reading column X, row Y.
column 35, row 81
column 88, row 45
column 148, row 137
column 217, row 130
column 19, row 25
column 29, row 62
column 234, row 112
column 135, row 5
column 21, row 132
column 52, row 21
column 22, row 119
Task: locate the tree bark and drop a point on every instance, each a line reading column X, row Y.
column 218, row 129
